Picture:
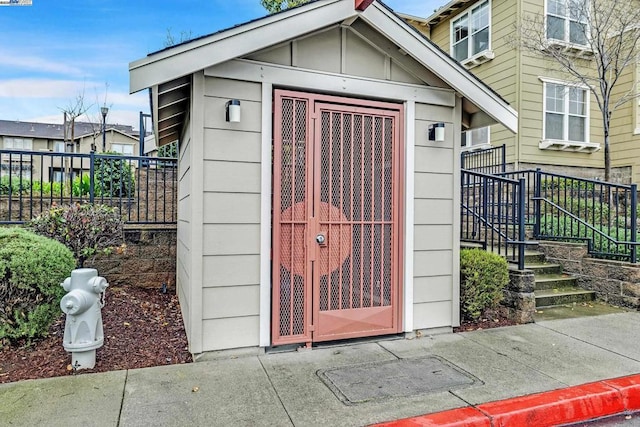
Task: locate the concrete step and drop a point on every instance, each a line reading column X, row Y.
column 554, row 281
column 533, row 257
column 556, row 297
column 544, row 268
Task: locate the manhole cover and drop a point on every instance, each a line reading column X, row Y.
column 395, row 378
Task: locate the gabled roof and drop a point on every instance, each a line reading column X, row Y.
column 55, row 131
column 168, row 72
column 447, row 10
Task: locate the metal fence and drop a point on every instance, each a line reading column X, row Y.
column 601, row 214
column 143, row 189
column 490, row 161
column 492, row 214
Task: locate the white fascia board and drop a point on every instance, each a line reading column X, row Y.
column 237, row 42
column 254, row 71
column 440, row 64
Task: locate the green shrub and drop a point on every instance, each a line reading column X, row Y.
column 31, row 270
column 86, row 229
column 589, row 210
column 81, row 186
column 168, row 150
column 563, row 226
column 14, row 184
column 113, row 177
column 483, row 275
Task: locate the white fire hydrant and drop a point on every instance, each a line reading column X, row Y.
column 83, row 332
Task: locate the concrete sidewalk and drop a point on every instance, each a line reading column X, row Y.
column 303, row 389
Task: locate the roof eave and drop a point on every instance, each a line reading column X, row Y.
column 451, row 72
column 239, row 41
column 446, row 11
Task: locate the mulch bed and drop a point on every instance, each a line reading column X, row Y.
column 490, row 319
column 142, row 328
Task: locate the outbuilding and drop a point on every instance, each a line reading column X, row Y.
column 318, row 175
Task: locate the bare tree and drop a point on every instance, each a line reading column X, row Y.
column 171, row 40
column 595, row 42
column 274, row 6
column 71, row 112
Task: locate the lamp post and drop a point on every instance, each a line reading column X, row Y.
column 104, row 111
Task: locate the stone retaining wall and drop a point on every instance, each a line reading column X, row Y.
column 519, row 302
column 148, row 262
column 614, row 282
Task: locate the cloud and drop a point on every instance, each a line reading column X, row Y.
column 43, row 88
column 140, row 99
column 35, row 63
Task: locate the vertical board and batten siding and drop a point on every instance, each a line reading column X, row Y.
column 625, row 142
column 231, row 216
column 184, row 284
column 343, row 51
column 434, row 229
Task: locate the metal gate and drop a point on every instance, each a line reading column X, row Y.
column 337, row 175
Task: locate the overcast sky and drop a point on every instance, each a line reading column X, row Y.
column 54, row 50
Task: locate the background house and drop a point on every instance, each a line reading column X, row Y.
column 48, row 137
column 334, row 103
column 560, row 127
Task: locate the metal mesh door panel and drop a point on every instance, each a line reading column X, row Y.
column 336, row 181
column 291, row 204
column 357, row 271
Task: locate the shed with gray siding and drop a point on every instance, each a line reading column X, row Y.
column 326, row 212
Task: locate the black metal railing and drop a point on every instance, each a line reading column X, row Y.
column 602, row 214
column 143, row 189
column 490, row 161
column 492, row 214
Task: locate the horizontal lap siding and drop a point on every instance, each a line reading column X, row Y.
column 625, row 146
column 183, row 244
column 531, row 111
column 231, row 217
column 498, row 73
column 433, row 221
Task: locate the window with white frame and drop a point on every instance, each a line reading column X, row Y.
column 59, row 175
column 471, row 32
column 566, row 112
column 567, row 21
column 475, row 138
column 58, row 146
column 18, row 143
column 126, row 149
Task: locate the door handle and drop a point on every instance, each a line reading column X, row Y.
column 321, row 239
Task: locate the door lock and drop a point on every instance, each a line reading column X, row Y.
column 321, row 239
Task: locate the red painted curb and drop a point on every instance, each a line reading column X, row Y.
column 463, row 417
column 629, row 388
column 567, row 405
column 556, row 407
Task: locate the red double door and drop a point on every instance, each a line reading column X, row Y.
column 337, row 180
